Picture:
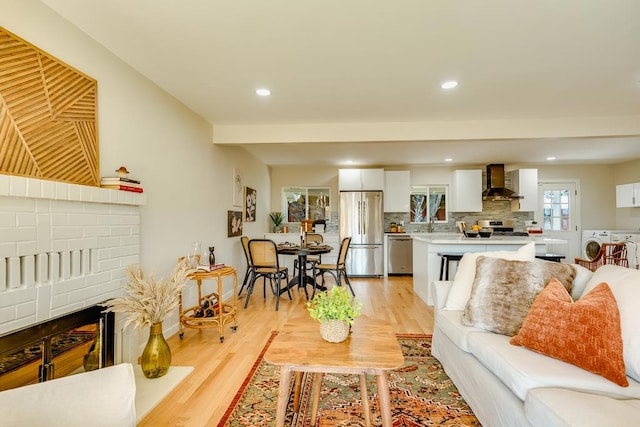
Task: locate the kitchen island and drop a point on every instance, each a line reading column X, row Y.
column 426, row 261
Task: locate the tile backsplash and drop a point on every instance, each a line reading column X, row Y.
column 490, row 210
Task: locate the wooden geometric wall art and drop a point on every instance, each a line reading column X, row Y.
column 48, row 116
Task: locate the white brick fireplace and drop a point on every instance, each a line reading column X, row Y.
column 63, row 247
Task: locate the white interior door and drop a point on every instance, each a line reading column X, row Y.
column 559, row 215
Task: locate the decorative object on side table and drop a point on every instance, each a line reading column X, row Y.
column 212, row 256
column 336, row 311
column 276, row 218
column 149, row 301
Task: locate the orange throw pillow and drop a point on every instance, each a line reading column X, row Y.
column 585, row 333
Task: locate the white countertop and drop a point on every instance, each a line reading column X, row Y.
column 460, row 239
column 455, row 238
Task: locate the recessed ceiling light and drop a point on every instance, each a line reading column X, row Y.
column 448, row 159
column 449, row 84
column 551, row 158
column 263, row 92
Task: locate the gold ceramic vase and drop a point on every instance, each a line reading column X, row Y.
column 156, row 356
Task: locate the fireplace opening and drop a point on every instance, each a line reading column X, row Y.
column 76, row 342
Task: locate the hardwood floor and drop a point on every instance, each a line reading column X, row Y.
column 220, row 369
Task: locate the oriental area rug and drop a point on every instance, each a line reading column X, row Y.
column 421, row 395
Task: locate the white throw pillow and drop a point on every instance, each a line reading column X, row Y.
column 583, row 275
column 463, row 282
column 625, row 285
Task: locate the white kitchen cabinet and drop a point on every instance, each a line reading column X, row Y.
column 397, row 189
column 525, row 183
column 627, row 195
column 349, row 180
column 466, row 191
column 360, row 179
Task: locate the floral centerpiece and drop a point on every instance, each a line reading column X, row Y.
column 336, row 311
column 148, row 302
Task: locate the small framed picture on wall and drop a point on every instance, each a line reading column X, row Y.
column 238, row 186
column 250, row 199
column 234, row 223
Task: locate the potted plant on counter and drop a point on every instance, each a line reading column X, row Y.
column 336, row 311
column 276, row 218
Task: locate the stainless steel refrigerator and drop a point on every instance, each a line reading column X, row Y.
column 362, row 218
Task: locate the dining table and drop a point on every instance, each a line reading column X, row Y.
column 302, row 251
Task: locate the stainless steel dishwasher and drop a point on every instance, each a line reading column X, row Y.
column 400, row 255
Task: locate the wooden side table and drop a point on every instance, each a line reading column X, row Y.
column 372, row 348
column 225, row 313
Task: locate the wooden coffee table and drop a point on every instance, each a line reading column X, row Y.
column 372, row 348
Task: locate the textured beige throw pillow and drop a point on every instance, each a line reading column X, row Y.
column 504, row 291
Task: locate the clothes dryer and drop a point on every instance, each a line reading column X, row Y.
column 632, row 240
column 592, row 240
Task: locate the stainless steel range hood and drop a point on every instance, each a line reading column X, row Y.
column 496, row 189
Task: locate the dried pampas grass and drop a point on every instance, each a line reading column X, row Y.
column 148, row 300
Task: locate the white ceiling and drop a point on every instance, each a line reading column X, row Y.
column 360, row 79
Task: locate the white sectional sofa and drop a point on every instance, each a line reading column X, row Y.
column 104, row 397
column 508, row 385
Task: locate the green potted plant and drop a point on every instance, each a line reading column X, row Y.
column 276, row 218
column 336, row 311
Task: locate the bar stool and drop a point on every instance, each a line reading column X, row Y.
column 551, row 257
column 446, row 258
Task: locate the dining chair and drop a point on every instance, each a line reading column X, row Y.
column 245, row 247
column 610, row 253
column 339, row 269
column 264, row 259
column 312, row 261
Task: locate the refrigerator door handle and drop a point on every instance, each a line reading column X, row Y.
column 365, row 218
column 359, row 218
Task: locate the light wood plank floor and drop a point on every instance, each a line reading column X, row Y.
column 220, row 368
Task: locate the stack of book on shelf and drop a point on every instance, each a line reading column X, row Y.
column 121, row 183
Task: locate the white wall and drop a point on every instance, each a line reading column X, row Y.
column 186, row 178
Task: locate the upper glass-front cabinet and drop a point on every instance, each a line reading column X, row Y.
column 307, row 203
column 428, row 202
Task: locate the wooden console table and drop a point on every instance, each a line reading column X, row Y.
column 223, row 313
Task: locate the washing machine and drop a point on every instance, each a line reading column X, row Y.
column 592, row 240
column 632, row 240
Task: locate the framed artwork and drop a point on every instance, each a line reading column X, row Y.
column 250, row 198
column 234, row 223
column 49, row 117
column 238, row 186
